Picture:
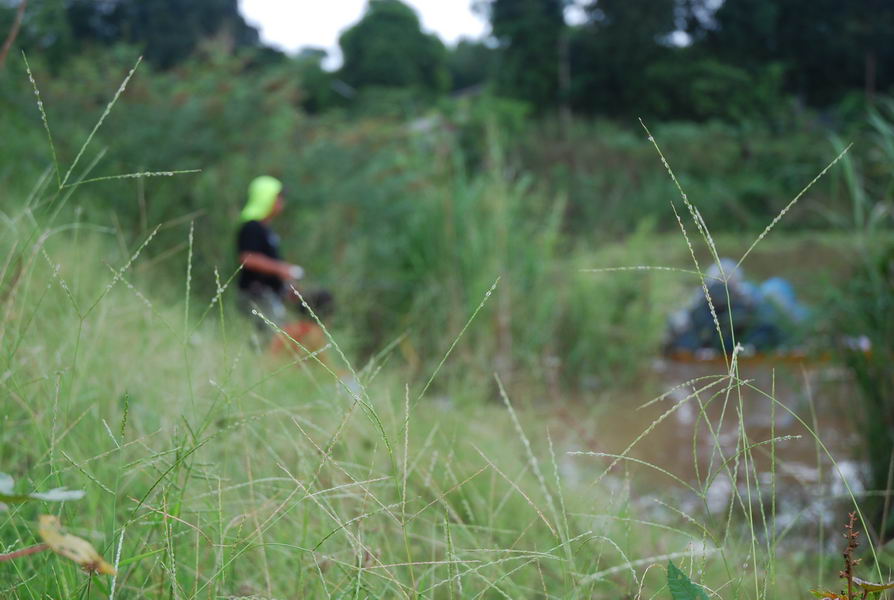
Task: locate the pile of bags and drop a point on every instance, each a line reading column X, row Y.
column 763, row 317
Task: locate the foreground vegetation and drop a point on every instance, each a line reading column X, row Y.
column 211, row 472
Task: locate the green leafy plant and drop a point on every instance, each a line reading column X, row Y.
column 681, row 587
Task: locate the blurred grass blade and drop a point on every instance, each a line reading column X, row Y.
column 139, row 175
column 102, row 118
column 43, row 117
column 7, row 493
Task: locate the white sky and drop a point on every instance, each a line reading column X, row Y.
column 291, row 24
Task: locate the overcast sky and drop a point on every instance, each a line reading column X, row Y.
column 291, row 24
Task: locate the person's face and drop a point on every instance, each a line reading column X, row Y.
column 278, row 206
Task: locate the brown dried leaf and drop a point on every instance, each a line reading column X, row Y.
column 826, row 595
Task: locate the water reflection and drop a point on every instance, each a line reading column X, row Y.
column 793, row 461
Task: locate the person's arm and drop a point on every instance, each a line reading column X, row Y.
column 255, row 261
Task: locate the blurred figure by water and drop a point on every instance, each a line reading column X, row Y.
column 267, row 283
column 761, row 318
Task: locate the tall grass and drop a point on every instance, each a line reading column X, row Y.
column 223, row 474
column 861, row 313
column 214, row 471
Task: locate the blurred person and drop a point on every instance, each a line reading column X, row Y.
column 266, row 280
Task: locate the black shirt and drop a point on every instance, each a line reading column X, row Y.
column 254, row 236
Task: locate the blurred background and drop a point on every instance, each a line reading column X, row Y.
column 428, row 147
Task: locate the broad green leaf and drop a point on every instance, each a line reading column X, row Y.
column 681, row 587
column 55, row 495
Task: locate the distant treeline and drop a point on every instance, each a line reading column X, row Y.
column 670, row 59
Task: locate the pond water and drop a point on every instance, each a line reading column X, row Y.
column 696, row 432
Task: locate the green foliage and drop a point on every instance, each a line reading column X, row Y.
column 316, row 83
column 529, row 33
column 682, row 86
column 166, row 31
column 613, row 50
column 681, row 587
column 670, row 59
column 387, row 48
column 827, row 46
column 483, row 123
column 862, row 307
column 613, row 315
column 610, row 179
column 471, row 63
column 211, row 119
column 45, row 29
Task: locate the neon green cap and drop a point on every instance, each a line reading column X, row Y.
column 262, row 193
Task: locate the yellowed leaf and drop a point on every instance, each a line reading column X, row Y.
column 71, row 547
column 873, row 587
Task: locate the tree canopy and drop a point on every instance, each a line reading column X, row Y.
column 529, row 33
column 167, row 31
column 671, row 59
column 387, row 48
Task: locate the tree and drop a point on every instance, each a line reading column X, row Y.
column 387, row 48
column 44, row 28
column 316, row 82
column 868, row 26
column 828, row 47
column 471, row 63
column 167, row 31
column 13, row 31
column 613, row 50
column 529, row 34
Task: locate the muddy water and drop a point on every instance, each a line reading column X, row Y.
column 697, row 430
